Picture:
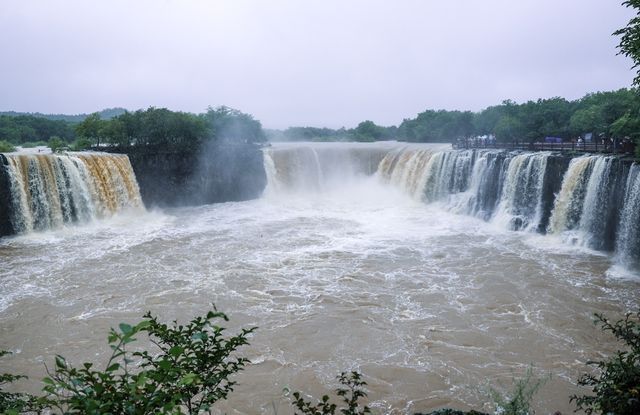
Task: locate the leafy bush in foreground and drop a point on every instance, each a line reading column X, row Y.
column 189, row 372
column 617, row 386
column 349, row 394
column 14, row 403
column 518, row 401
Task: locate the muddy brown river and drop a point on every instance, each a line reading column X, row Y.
column 433, row 307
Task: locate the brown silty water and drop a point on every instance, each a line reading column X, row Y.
column 340, row 270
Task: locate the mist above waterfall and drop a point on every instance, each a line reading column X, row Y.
column 577, row 200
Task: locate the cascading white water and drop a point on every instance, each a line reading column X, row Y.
column 447, row 173
column 513, row 190
column 354, row 274
column 628, row 240
column 407, row 169
column 300, row 167
column 520, row 205
column 48, row 191
column 569, row 202
column 582, row 208
column 484, row 187
column 595, row 207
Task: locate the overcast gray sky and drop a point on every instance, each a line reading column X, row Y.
column 324, row 63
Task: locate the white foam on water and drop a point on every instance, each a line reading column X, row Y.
column 350, row 274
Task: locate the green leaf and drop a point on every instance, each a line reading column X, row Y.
column 60, row 362
column 113, row 367
column 188, row 379
column 143, row 325
column 164, row 364
column 126, row 328
column 175, row 351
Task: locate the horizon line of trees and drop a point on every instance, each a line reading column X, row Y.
column 153, row 127
column 602, row 114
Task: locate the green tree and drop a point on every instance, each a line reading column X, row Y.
column 91, row 128
column 368, row 131
column 587, row 120
column 508, row 129
column 228, row 124
column 56, row 143
column 6, row 147
column 616, row 387
column 630, row 38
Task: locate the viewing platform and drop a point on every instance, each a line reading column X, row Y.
column 621, row 148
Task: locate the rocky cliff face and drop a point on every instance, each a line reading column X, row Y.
column 218, row 173
column 6, row 227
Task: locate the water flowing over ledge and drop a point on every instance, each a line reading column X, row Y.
column 45, row 191
column 588, row 201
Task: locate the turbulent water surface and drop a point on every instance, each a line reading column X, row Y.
column 342, row 265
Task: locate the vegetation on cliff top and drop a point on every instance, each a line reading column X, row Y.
column 602, row 114
column 614, row 114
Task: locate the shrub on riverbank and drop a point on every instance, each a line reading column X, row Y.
column 189, row 371
column 193, row 363
column 616, row 387
column 6, row 147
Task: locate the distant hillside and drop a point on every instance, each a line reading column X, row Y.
column 105, row 114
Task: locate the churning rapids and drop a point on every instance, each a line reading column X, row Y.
column 398, row 261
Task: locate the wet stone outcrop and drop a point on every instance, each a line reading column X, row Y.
column 6, row 227
column 217, row 173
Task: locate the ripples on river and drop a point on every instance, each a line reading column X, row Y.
column 430, row 306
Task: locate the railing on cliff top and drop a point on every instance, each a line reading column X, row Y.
column 621, row 148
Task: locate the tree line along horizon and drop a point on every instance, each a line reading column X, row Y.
column 612, row 114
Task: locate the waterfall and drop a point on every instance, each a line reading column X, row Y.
column 585, row 210
column 483, row 186
column 591, row 201
column 486, row 184
column 628, row 240
column 521, row 202
column 473, row 182
column 406, row 169
column 302, row 167
column 569, row 202
column 426, row 174
column 447, row 173
column 595, row 210
column 48, row 191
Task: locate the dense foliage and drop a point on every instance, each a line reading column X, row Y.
column 6, row 147
column 151, row 128
column 351, row 391
column 27, row 128
column 630, row 38
column 188, row 372
column 104, row 114
column 616, row 386
column 171, row 130
column 15, row 402
column 614, row 114
column 602, row 114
